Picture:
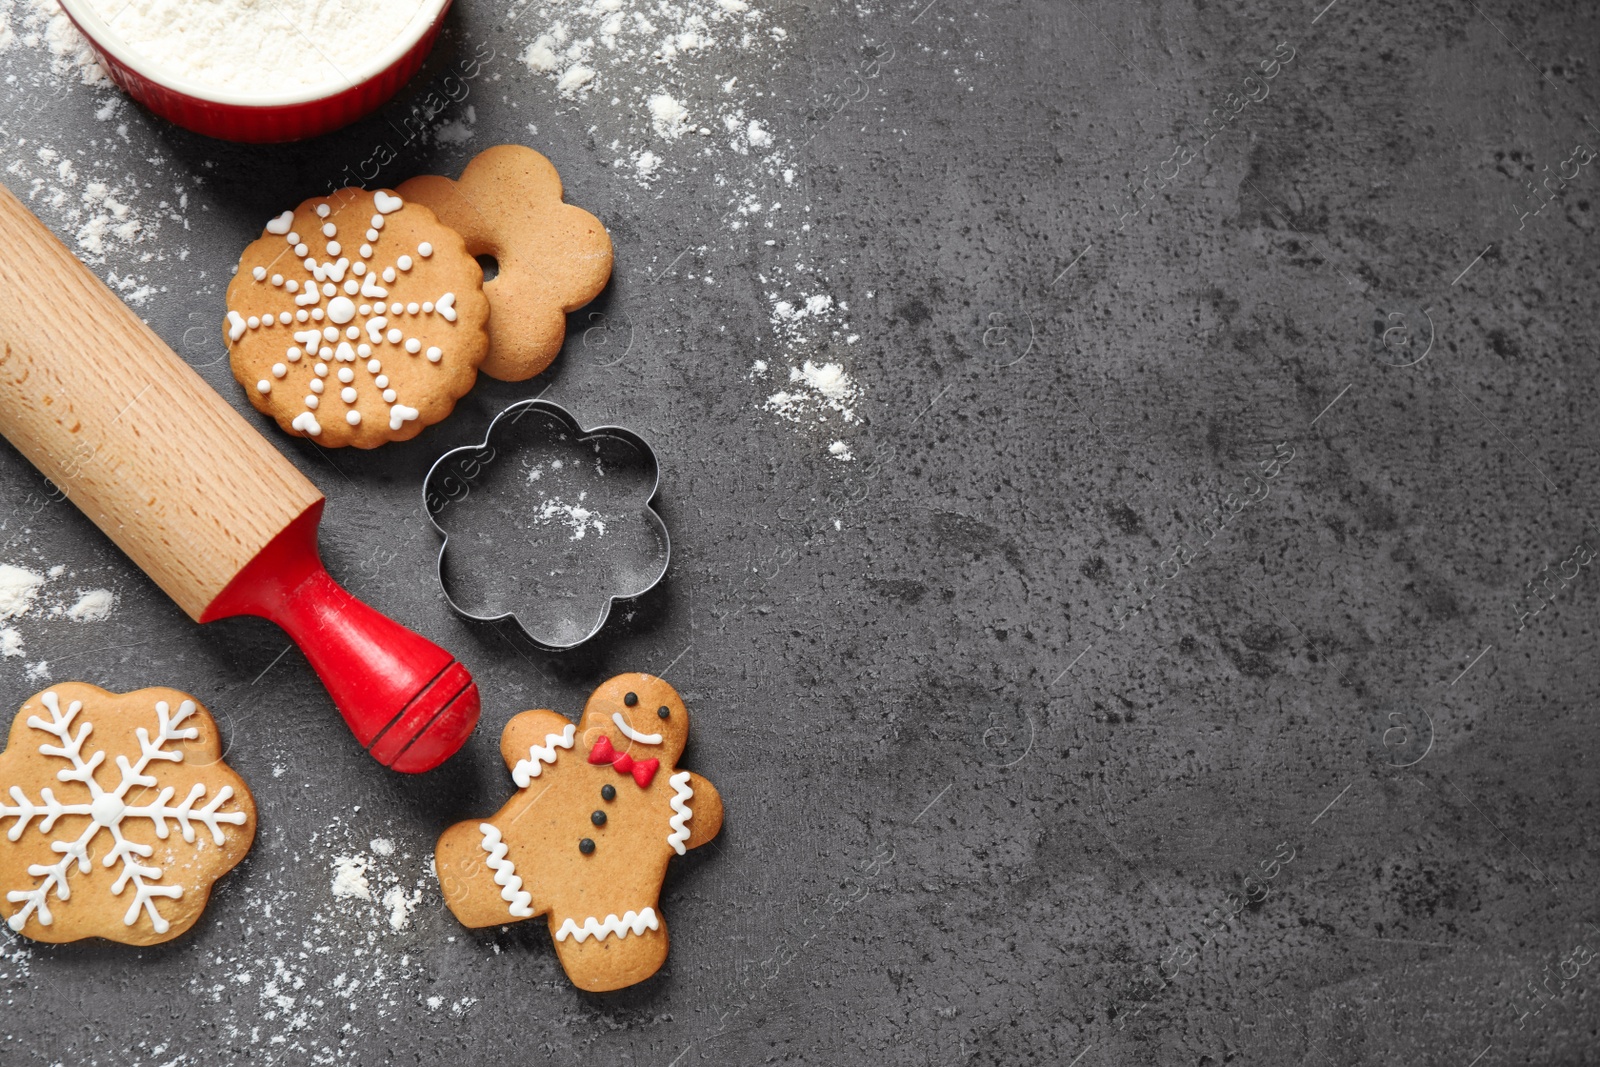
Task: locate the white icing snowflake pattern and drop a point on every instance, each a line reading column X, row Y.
column 324, row 323
column 108, row 810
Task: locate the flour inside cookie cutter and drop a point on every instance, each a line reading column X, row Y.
column 547, row 523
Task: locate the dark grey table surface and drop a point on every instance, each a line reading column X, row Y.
column 1234, row 527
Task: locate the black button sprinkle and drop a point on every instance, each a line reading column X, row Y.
column 598, row 818
column 586, row 846
column 663, row 712
column 631, row 699
column 609, row 792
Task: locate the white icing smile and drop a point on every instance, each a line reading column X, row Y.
column 633, row 735
column 631, row 922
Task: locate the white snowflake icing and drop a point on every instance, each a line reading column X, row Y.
column 343, row 320
column 107, row 810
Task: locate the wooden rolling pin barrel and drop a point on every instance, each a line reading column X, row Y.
column 197, row 498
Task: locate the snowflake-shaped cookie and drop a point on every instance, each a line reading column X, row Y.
column 600, row 809
column 121, row 815
column 357, row 319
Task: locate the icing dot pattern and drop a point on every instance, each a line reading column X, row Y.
column 325, row 291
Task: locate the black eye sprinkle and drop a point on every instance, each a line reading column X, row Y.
column 598, row 818
column 586, row 846
column 609, row 792
column 631, row 699
column 664, row 712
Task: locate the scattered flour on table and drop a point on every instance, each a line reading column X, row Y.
column 16, row 962
column 816, row 394
column 18, row 588
column 354, row 876
column 577, row 518
column 105, row 194
column 92, row 206
column 668, row 118
column 401, row 905
column 21, row 597
column 91, row 201
column 661, row 71
column 302, row 978
column 791, row 320
column 819, row 392
column 44, row 26
column 93, row 606
column 350, row 878
column 677, row 89
column 458, row 130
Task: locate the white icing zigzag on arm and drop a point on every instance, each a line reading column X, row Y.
column 631, row 922
column 681, row 795
column 538, row 755
column 505, row 872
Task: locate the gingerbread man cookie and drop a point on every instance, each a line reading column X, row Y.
column 356, row 319
column 600, row 809
column 122, row 815
column 553, row 257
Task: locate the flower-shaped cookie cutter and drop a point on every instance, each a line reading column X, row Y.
column 547, row 523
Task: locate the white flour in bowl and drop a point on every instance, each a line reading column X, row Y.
column 260, row 47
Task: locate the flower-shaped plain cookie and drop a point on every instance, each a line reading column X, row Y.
column 547, row 523
column 600, row 809
column 553, row 257
column 119, row 815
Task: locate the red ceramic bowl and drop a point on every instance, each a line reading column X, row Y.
column 264, row 117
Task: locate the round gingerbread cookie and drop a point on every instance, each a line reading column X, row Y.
column 357, row 319
column 119, row 815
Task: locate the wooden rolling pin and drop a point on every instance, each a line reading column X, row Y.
column 197, row 498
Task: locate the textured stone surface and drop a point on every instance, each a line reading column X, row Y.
column 977, row 806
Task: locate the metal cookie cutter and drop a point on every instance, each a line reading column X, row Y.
column 547, row 523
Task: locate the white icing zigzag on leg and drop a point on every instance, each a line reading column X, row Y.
column 538, row 755
column 632, row 922
column 681, row 794
column 505, row 872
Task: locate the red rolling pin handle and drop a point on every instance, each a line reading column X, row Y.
column 408, row 701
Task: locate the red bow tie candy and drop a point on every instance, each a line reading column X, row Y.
column 643, row 770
